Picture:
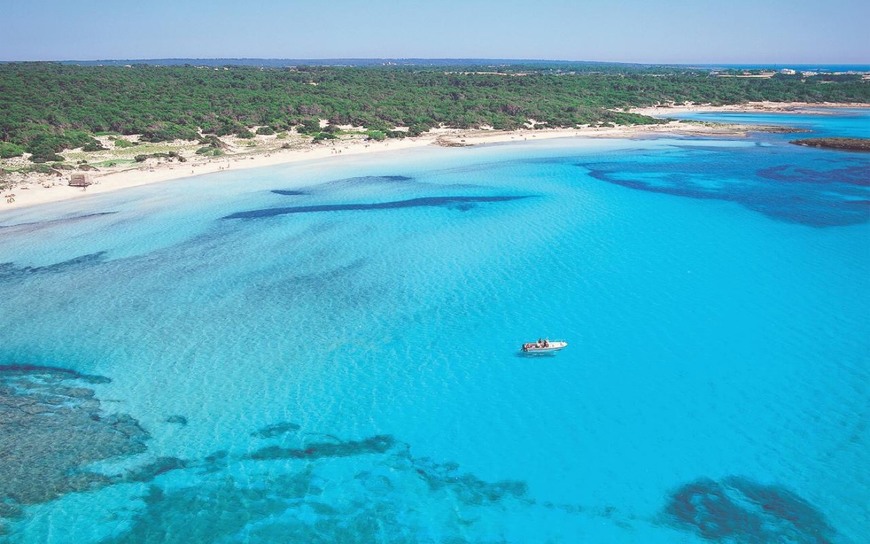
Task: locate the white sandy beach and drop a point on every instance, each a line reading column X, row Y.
column 35, row 189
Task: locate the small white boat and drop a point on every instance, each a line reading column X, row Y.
column 544, row 346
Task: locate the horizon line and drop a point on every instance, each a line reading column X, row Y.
column 443, row 59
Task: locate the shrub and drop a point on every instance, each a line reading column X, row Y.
column 9, row 150
column 93, row 146
column 377, row 135
column 418, row 128
column 46, row 157
column 44, row 147
column 212, row 141
column 265, row 131
column 163, row 132
column 226, row 128
column 209, row 151
column 309, row 126
column 71, row 139
column 172, row 155
column 41, row 169
column 121, row 143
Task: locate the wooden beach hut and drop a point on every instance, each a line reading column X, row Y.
column 79, row 179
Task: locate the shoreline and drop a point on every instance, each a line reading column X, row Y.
column 749, row 107
column 38, row 189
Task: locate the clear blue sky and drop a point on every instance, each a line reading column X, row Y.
column 652, row 31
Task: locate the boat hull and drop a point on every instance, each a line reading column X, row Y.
column 551, row 347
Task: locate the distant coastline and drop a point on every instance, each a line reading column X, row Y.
column 430, row 62
column 748, row 107
column 40, row 188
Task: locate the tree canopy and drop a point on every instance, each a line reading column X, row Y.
column 47, row 107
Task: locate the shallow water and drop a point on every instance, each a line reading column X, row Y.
column 328, row 352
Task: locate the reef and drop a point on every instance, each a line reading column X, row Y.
column 740, row 511
column 371, row 180
column 51, row 426
column 788, row 193
column 460, row 203
column 318, row 450
column 33, row 226
column 321, row 489
column 290, row 486
column 271, row 431
column 8, row 271
column 288, row 192
column 177, row 420
column 298, row 487
column 843, row 144
column 148, row 472
column 469, row 488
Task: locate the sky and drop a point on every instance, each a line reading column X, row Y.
column 651, row 31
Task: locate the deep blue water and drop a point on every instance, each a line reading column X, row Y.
column 329, row 351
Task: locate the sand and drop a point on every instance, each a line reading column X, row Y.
column 36, row 189
column 749, row 107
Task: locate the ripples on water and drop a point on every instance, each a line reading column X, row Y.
column 328, row 353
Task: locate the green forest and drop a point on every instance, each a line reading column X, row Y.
column 48, row 107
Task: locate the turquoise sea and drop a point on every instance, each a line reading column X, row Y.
column 329, row 351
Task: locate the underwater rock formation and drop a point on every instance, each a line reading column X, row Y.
column 808, row 196
column 291, row 486
column 321, row 492
column 148, row 472
column 9, row 271
column 460, row 203
column 52, row 425
column 375, row 444
column 742, row 511
column 844, row 144
column 271, row 431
